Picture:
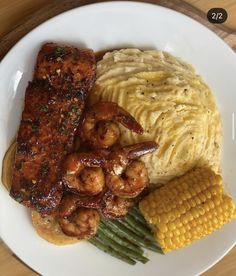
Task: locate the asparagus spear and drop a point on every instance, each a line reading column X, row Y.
column 126, row 251
column 106, row 230
column 99, row 244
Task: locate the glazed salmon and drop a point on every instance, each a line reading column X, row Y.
column 66, row 68
column 54, row 101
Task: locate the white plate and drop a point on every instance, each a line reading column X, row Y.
column 113, row 25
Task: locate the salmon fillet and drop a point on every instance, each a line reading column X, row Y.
column 54, row 101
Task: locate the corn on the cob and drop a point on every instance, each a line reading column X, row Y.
column 188, row 208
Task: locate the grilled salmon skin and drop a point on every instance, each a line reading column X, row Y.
column 54, row 101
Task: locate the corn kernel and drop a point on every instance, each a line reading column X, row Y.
column 192, row 192
column 160, row 235
column 169, row 234
column 182, row 209
column 182, row 230
column 163, row 228
column 184, row 219
column 211, row 204
column 201, row 210
column 207, row 194
column 176, row 232
column 189, row 216
column 178, row 223
column 198, row 200
column 176, row 240
column 168, row 242
column 202, row 197
column 171, row 226
column 208, row 215
column 164, row 218
column 197, row 189
column 194, row 212
column 188, row 235
column 193, row 224
column 192, row 202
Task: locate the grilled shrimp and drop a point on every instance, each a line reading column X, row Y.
column 71, row 201
column 67, row 205
column 83, row 223
column 131, row 182
column 126, row 177
column 99, row 127
column 118, row 159
column 115, row 207
column 82, row 173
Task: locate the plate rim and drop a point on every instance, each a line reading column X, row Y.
column 114, row 3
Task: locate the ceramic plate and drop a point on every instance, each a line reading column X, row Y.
column 115, row 25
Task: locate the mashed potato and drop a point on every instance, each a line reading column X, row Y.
column 172, row 103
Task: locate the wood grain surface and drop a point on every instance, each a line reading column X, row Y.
column 228, row 5
column 18, row 17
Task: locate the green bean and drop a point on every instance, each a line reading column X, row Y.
column 123, row 231
column 98, row 243
column 139, row 227
column 135, row 207
column 136, row 213
column 122, row 241
column 131, row 228
column 126, row 251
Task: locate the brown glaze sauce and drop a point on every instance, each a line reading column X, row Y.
column 99, row 55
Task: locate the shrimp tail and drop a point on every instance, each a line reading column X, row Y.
column 128, row 121
column 140, row 149
column 111, row 110
column 119, row 158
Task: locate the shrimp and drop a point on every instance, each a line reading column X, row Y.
column 70, row 202
column 127, row 177
column 82, row 173
column 67, row 205
column 119, row 158
column 115, row 207
column 99, row 128
column 83, row 223
column 132, row 181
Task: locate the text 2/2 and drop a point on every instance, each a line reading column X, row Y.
column 217, row 15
